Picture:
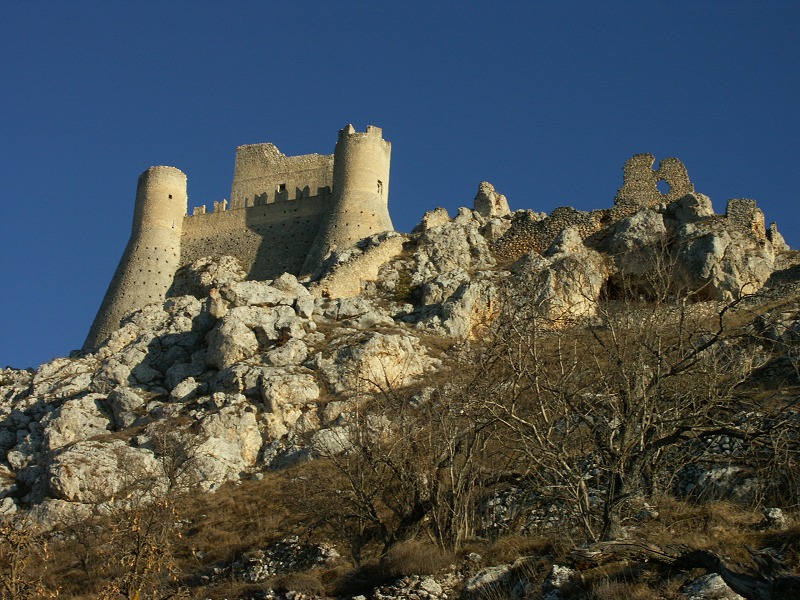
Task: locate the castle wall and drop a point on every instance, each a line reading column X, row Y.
column 263, row 174
column 281, row 209
column 152, row 256
column 526, row 233
column 268, row 239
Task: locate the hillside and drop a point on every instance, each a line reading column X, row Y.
column 497, row 404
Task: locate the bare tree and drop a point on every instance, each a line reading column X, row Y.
column 408, row 462
column 592, row 406
column 23, row 559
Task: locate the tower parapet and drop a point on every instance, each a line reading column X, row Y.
column 360, row 193
column 152, row 256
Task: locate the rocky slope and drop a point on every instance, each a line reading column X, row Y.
column 262, row 375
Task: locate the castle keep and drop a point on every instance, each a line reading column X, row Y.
column 286, row 214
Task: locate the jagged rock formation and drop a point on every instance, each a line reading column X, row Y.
column 258, row 366
column 253, row 375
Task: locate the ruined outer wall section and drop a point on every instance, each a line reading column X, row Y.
column 639, row 190
column 267, row 239
column 526, row 233
column 152, row 255
column 263, row 174
column 743, row 214
column 640, row 182
column 360, row 193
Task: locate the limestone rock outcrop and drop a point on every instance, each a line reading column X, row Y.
column 249, row 374
column 566, row 282
column 721, row 264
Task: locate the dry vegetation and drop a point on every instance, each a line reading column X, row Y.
column 597, row 419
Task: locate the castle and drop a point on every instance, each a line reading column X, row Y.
column 286, row 214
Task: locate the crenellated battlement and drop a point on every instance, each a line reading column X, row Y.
column 263, row 174
column 282, row 197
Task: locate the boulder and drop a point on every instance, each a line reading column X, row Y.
column 353, row 312
column 64, row 377
column 124, row 404
column 287, row 394
column 92, row 471
column 459, row 313
column 232, row 438
column 637, row 247
column 709, row 587
column 206, row 273
column 303, row 300
column 230, row 342
column 692, row 207
column 454, row 245
column 293, row 352
column 372, row 361
column 255, row 293
column 76, row 420
column 432, row 218
column 716, row 263
column 566, row 282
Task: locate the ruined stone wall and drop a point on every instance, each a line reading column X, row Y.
column 347, row 278
column 263, row 174
column 639, row 190
column 268, row 239
column 640, row 182
column 743, row 214
column 528, row 234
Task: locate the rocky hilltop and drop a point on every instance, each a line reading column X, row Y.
column 232, row 380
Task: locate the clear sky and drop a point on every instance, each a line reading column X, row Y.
column 546, row 100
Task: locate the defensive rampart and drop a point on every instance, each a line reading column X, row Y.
column 268, row 239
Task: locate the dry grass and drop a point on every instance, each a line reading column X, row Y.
column 414, row 557
column 508, row 548
column 411, row 557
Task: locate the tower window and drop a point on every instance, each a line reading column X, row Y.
column 380, row 186
column 282, row 187
column 170, row 196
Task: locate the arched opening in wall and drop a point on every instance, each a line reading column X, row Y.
column 380, row 187
column 663, row 186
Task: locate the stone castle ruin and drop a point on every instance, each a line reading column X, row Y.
column 639, row 191
column 319, row 216
column 286, row 214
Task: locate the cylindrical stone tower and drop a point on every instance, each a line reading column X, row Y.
column 360, row 204
column 152, row 256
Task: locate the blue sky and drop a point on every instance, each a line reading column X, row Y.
column 544, row 99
